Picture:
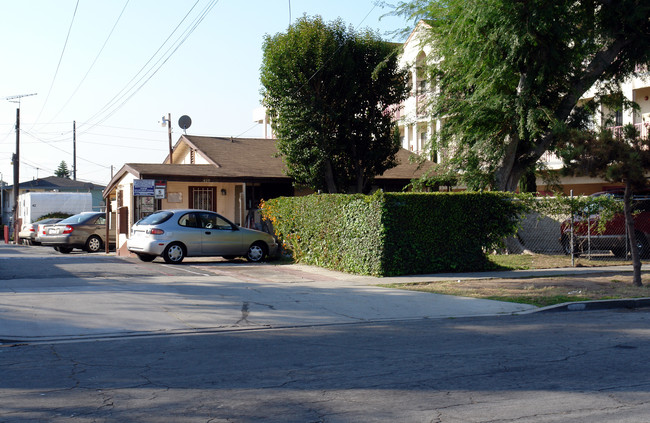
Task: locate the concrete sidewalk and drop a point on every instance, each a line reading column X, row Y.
column 498, row 274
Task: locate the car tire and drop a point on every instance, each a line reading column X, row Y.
column 94, row 244
column 256, row 252
column 174, row 253
column 146, row 257
column 64, row 250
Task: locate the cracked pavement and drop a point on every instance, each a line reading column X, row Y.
column 582, row 367
column 229, row 342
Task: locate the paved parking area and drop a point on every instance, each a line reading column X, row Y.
column 97, row 295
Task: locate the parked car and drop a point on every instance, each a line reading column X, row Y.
column 176, row 234
column 29, row 232
column 41, row 227
column 86, row 231
column 588, row 236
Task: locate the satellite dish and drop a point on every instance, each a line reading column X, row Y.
column 184, row 122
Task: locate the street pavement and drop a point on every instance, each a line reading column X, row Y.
column 63, row 299
column 98, row 338
column 202, row 295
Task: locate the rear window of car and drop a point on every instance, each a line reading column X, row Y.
column 156, row 218
column 78, row 218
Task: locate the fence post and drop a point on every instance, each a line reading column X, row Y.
column 573, row 259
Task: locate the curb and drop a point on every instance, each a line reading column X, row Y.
column 628, row 303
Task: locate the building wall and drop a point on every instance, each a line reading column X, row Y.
column 416, row 126
column 414, row 122
column 178, row 198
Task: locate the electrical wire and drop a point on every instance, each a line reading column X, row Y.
column 60, row 60
column 94, row 61
column 61, row 149
column 128, row 92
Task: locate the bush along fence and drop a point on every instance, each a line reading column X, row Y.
column 389, row 234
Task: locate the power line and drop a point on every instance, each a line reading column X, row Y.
column 132, row 88
column 94, row 61
column 59, row 64
column 61, row 149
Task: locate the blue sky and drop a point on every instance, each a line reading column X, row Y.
column 117, row 77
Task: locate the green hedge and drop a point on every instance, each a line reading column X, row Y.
column 389, row 234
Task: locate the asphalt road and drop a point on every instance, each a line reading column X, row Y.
column 295, row 346
column 552, row 367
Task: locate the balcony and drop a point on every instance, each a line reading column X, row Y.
column 643, row 128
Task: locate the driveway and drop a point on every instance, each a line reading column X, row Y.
column 45, row 295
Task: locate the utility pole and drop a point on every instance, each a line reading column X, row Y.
column 74, row 150
column 16, row 162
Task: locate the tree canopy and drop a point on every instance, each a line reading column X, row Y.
column 510, row 72
column 62, row 171
column 329, row 91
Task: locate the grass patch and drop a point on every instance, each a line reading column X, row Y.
column 544, row 261
column 540, row 292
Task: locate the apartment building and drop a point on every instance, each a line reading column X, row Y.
column 417, row 127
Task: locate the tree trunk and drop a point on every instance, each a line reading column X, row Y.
column 329, row 178
column 629, row 224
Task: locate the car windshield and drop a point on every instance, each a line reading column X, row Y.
column 155, row 218
column 77, row 218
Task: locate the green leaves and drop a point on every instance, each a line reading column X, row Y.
column 513, row 70
column 328, row 90
column 390, row 234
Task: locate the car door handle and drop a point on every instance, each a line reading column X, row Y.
column 208, row 232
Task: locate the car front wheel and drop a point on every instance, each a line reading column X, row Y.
column 174, row 253
column 256, row 252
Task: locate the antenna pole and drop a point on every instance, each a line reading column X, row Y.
column 74, row 150
column 16, row 162
column 16, row 176
column 169, row 131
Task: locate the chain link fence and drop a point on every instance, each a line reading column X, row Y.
column 585, row 229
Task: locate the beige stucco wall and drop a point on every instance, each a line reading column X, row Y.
column 178, row 198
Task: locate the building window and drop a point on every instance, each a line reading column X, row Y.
column 204, row 198
column 618, row 116
column 423, row 141
column 192, row 157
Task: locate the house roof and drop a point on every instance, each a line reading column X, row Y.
column 239, row 159
column 53, row 182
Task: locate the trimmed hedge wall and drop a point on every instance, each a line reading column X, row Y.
column 389, row 234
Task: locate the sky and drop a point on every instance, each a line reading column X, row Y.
column 115, row 68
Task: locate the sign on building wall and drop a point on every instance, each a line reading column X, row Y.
column 143, row 187
column 160, row 188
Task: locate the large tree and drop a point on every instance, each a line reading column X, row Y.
column 510, row 72
column 329, row 91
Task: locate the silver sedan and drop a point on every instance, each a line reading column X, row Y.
column 176, row 234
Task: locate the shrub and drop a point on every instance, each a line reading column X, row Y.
column 388, row 234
